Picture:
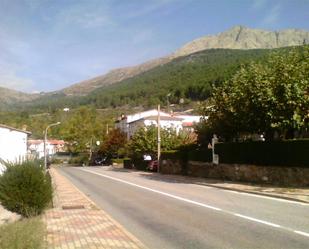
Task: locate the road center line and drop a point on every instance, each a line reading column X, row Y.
column 199, row 203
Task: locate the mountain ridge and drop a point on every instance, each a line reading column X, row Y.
column 238, row 37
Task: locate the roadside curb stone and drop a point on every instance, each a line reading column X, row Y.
column 296, row 194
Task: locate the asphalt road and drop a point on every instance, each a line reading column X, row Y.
column 171, row 214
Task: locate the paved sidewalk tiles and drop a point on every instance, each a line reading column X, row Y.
column 76, row 222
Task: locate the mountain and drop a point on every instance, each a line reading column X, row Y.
column 113, row 76
column 238, row 37
column 189, row 77
column 9, row 96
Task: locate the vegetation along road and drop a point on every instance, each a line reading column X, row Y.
column 171, row 214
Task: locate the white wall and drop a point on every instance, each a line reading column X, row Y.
column 13, row 145
column 38, row 149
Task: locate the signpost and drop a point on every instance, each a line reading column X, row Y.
column 215, row 157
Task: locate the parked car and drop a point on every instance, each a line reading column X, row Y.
column 153, row 165
column 104, row 160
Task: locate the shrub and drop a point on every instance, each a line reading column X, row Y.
column 201, row 154
column 82, row 158
column 274, row 153
column 25, row 188
column 127, row 163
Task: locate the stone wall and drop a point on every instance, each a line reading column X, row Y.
column 284, row 176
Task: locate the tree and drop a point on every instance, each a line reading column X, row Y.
column 114, row 141
column 144, row 141
column 263, row 97
column 81, row 128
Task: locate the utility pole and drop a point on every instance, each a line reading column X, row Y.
column 159, row 139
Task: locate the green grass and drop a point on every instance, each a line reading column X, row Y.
column 23, row 234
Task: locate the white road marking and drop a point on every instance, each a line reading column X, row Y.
column 302, row 233
column 156, row 191
column 256, row 220
column 199, row 203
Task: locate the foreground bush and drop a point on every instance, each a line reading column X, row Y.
column 25, row 188
column 23, row 234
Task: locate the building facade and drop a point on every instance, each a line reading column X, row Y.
column 131, row 123
column 13, row 145
column 36, row 147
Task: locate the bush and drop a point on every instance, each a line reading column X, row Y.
column 25, row 188
column 127, row 163
column 201, row 154
column 82, row 158
column 274, row 153
column 190, row 152
column 170, row 154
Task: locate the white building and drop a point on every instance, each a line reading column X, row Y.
column 13, row 144
column 131, row 123
column 36, row 147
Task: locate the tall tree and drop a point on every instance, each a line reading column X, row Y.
column 264, row 97
column 81, row 128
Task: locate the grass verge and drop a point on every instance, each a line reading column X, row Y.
column 23, row 234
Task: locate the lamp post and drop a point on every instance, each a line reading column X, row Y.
column 158, row 139
column 168, row 102
column 45, row 139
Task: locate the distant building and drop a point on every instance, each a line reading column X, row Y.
column 36, row 147
column 131, row 123
column 13, row 144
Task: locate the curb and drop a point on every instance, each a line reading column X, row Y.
column 255, row 193
column 241, row 191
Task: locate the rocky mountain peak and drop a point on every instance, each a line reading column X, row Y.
column 241, row 37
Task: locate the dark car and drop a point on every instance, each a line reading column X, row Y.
column 153, row 165
column 104, row 160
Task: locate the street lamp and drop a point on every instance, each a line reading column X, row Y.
column 168, row 103
column 45, row 139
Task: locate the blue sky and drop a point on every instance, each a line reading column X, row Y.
column 46, row 45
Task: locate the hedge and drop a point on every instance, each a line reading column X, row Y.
column 189, row 153
column 275, row 153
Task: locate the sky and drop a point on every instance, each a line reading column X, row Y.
column 46, row 45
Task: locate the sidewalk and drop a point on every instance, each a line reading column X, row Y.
column 76, row 222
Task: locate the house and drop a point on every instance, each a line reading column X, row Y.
column 131, row 123
column 188, row 121
column 36, row 147
column 13, row 144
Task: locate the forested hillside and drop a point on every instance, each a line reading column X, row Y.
column 190, row 77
